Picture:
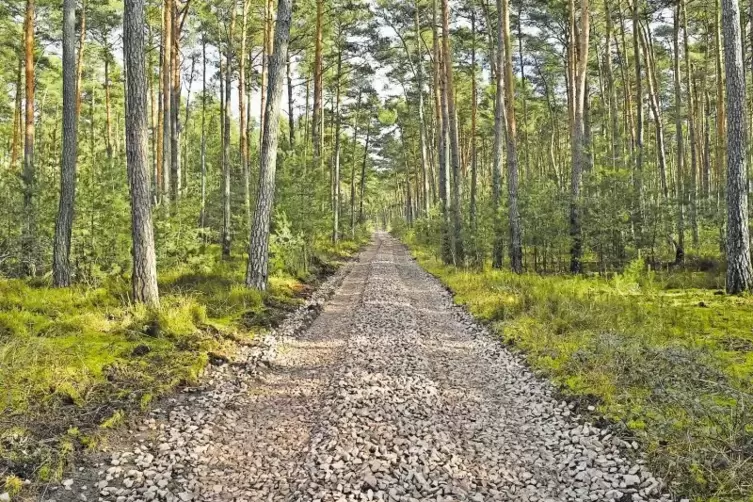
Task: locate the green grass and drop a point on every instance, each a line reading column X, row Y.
column 75, row 362
column 670, row 366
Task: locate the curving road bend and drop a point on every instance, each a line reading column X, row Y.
column 392, row 393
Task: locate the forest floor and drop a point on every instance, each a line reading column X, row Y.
column 392, row 393
column 665, row 359
column 75, row 364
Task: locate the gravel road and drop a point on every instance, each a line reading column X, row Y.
column 391, row 393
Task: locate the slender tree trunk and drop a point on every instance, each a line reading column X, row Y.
column 421, row 113
column 258, row 254
column 720, row 105
column 498, row 252
column 361, row 219
column 226, row 214
column 336, row 156
column 655, row 106
column 516, row 243
column 17, row 113
column 739, row 269
column 245, row 167
column 80, row 61
column 167, row 91
column 638, row 174
column 28, row 241
column 693, row 135
column 203, row 199
column 353, row 168
column 176, row 176
column 476, row 255
column 291, row 103
column 616, row 145
column 448, row 247
column 454, row 140
column 61, row 267
column 680, row 167
column 317, row 119
column 579, row 140
column 144, row 276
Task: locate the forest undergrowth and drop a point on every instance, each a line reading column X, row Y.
column 77, row 363
column 665, row 358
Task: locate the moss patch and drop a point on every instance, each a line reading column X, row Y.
column 76, row 362
column 673, row 366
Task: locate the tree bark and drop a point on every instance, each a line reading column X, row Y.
column 80, row 62
column 516, row 244
column 680, row 167
column 739, row 269
column 226, row 214
column 454, row 140
column 317, row 119
column 203, row 199
column 578, row 140
column 336, row 156
column 363, row 172
column 258, row 254
column 498, row 252
column 61, row 267
column 28, row 241
column 144, row 276
column 167, row 91
column 245, row 167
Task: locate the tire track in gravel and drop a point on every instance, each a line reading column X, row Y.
column 393, row 393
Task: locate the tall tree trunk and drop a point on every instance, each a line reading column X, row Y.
column 61, row 267
column 203, row 199
column 638, row 174
column 363, row 172
column 175, row 63
column 526, row 155
column 580, row 156
column 353, row 168
column 655, row 106
column 317, row 119
column 720, row 105
column 739, row 269
column 245, row 167
column 291, row 102
column 144, row 276
column 28, row 241
column 108, row 109
column 694, row 140
column 80, row 62
column 17, row 113
column 421, row 112
column 258, row 253
column 336, row 156
column 454, row 140
column 476, row 255
column 226, row 214
column 448, row 248
column 516, row 243
column 680, row 167
column 498, row 252
column 167, row 91
column 615, row 135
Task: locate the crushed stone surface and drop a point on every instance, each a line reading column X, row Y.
column 389, row 393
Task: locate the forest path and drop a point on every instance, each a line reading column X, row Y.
column 393, row 393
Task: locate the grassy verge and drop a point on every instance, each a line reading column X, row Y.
column 76, row 362
column 671, row 367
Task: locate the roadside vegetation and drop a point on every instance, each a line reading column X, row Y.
column 664, row 357
column 75, row 363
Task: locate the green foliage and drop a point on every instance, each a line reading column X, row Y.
column 671, row 367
